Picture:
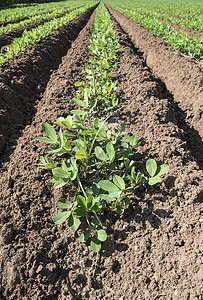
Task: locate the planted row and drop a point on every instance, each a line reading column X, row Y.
column 35, row 35
column 36, row 18
column 31, row 10
column 97, row 162
column 188, row 45
column 195, row 22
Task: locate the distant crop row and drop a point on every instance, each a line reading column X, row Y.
column 188, row 45
column 36, row 9
column 35, row 35
column 36, row 18
column 195, row 22
column 185, row 9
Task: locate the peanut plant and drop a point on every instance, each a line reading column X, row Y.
column 97, row 162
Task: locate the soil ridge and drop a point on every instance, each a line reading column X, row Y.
column 182, row 75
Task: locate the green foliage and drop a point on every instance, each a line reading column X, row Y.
column 35, row 13
column 35, row 35
column 188, row 45
column 97, row 93
column 95, row 161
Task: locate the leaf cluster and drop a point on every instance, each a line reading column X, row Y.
column 96, row 161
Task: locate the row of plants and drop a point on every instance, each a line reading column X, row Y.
column 95, row 162
column 36, row 18
column 31, row 10
column 195, row 22
column 186, row 9
column 188, row 45
column 35, row 35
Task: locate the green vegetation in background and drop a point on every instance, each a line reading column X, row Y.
column 188, row 45
column 35, row 35
column 31, row 10
column 38, row 17
column 10, row 3
column 181, row 8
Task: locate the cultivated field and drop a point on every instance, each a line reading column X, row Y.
column 112, row 209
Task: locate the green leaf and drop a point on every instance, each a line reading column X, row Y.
column 61, row 217
column 58, row 172
column 133, row 140
column 95, row 244
column 90, row 202
column 96, row 123
column 86, row 97
column 126, row 139
column 67, row 146
column 78, row 83
column 55, row 150
column 106, row 197
column 151, row 167
column 64, row 203
column 119, row 182
column 66, row 124
column 85, row 132
column 50, row 132
column 108, row 186
column 78, row 212
column 102, row 133
column 154, row 180
column 101, row 235
column 122, row 128
column 125, row 202
column 81, row 201
column 85, row 235
column 79, row 102
column 100, row 154
column 61, row 182
column 163, row 169
column 81, row 154
column 110, row 150
column 78, row 112
column 73, row 223
column 69, row 135
column 94, row 223
column 120, row 210
column 44, row 139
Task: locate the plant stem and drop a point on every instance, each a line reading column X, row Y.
column 80, row 184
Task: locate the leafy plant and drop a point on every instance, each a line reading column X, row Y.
column 95, row 161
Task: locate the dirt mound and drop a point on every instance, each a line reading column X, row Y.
column 23, row 80
column 7, row 38
column 182, row 75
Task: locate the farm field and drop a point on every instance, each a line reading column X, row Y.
column 92, row 60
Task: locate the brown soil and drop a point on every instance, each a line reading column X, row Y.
column 189, row 31
column 7, row 38
column 153, row 250
column 23, row 80
column 182, row 75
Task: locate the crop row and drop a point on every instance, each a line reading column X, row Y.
column 12, row 14
column 36, row 18
column 97, row 162
column 35, row 35
column 186, row 10
column 195, row 22
column 188, row 45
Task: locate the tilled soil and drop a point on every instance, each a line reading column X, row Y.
column 153, row 250
column 23, row 80
column 182, row 75
column 7, row 38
